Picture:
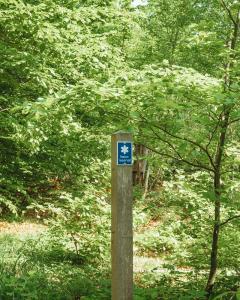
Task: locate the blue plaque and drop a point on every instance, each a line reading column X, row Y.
column 124, row 153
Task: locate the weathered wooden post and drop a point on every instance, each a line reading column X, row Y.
column 122, row 231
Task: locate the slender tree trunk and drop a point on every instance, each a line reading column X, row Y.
column 217, row 204
column 140, row 165
column 220, row 152
column 146, row 183
column 215, row 237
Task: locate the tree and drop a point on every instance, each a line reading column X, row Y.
column 189, row 118
column 57, row 57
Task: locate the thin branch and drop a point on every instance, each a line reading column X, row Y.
column 238, row 16
column 196, row 165
column 178, row 154
column 4, row 109
column 234, row 121
column 167, row 142
column 214, row 131
column 229, row 12
column 5, row 138
column 212, row 115
column 205, row 150
column 229, row 219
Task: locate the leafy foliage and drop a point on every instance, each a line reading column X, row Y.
column 71, row 73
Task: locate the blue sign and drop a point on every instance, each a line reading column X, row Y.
column 124, row 153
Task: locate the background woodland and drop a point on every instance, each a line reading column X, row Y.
column 72, row 72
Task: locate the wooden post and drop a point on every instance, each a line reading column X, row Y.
column 122, row 231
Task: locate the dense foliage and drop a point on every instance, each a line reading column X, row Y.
column 73, row 72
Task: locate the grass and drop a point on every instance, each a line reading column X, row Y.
column 36, row 265
column 33, row 265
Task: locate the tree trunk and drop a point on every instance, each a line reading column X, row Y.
column 146, row 183
column 215, row 237
column 220, row 152
column 217, row 203
column 140, row 165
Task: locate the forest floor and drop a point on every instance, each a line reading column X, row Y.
column 29, row 228
column 21, row 228
column 30, row 259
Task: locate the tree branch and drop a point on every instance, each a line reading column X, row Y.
column 205, row 150
column 214, row 131
column 179, row 155
column 229, row 219
column 234, row 121
column 167, row 142
column 4, row 109
column 180, row 159
column 229, row 12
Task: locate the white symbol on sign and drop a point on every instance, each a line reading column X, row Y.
column 124, row 149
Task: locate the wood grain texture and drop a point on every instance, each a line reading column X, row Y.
column 122, row 232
